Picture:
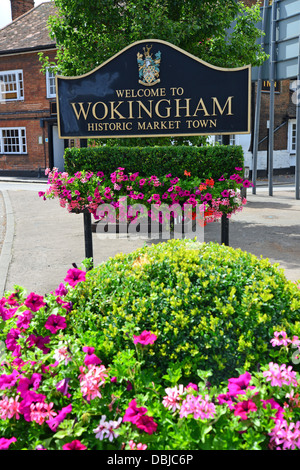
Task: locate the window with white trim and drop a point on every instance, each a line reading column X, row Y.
column 292, row 135
column 50, row 82
column 11, row 85
column 219, row 139
column 13, row 140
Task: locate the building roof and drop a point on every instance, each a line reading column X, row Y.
column 29, row 32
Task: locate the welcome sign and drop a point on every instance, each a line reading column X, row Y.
column 154, row 89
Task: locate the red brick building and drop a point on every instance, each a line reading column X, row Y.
column 29, row 140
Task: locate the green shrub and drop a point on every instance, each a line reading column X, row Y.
column 202, row 162
column 212, row 307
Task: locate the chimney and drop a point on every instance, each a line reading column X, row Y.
column 19, row 7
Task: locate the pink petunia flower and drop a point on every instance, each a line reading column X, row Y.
column 133, row 412
column 74, row 276
column 34, row 302
column 240, row 384
column 90, row 357
column 55, row 323
column 9, row 381
column 5, row 443
column 61, row 291
column 39, row 342
column 62, row 386
column 146, row 423
column 74, row 445
column 146, row 337
column 53, row 423
column 243, row 408
column 25, row 384
column 24, row 319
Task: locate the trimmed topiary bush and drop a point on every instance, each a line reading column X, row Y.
column 202, row 162
column 118, row 358
column 212, row 307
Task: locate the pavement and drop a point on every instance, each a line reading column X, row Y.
column 40, row 241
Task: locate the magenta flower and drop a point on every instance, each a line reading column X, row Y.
column 11, row 341
column 90, row 357
column 74, row 445
column 62, row 387
column 7, row 313
column 226, row 398
column 24, row 319
column 240, row 384
column 29, row 398
column 55, row 323
column 53, row 423
column 39, row 342
column 34, row 302
column 61, row 291
column 243, row 408
column 146, row 337
column 25, row 384
column 225, row 193
column 74, row 276
column 9, row 381
column 133, row 412
column 146, row 424
column 5, row 443
column 275, row 406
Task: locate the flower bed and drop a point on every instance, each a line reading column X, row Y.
column 58, row 391
column 88, row 191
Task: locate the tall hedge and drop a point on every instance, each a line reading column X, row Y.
column 203, row 161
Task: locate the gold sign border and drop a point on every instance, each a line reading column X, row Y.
column 158, row 41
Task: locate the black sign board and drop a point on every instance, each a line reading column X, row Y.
column 151, row 89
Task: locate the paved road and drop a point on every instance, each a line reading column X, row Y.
column 42, row 240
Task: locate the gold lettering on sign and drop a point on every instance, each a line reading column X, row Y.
column 81, row 110
column 94, row 110
column 168, row 109
column 227, row 104
column 186, row 107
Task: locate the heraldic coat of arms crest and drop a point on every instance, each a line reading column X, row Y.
column 148, row 67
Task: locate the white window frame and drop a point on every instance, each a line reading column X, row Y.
column 292, row 136
column 219, row 139
column 18, row 81
column 50, row 83
column 18, row 143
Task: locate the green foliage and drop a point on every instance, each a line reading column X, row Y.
column 212, row 307
column 202, row 162
column 95, row 381
column 88, row 33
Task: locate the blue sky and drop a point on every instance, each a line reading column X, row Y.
column 5, row 11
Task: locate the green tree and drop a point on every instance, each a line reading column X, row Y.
column 90, row 32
